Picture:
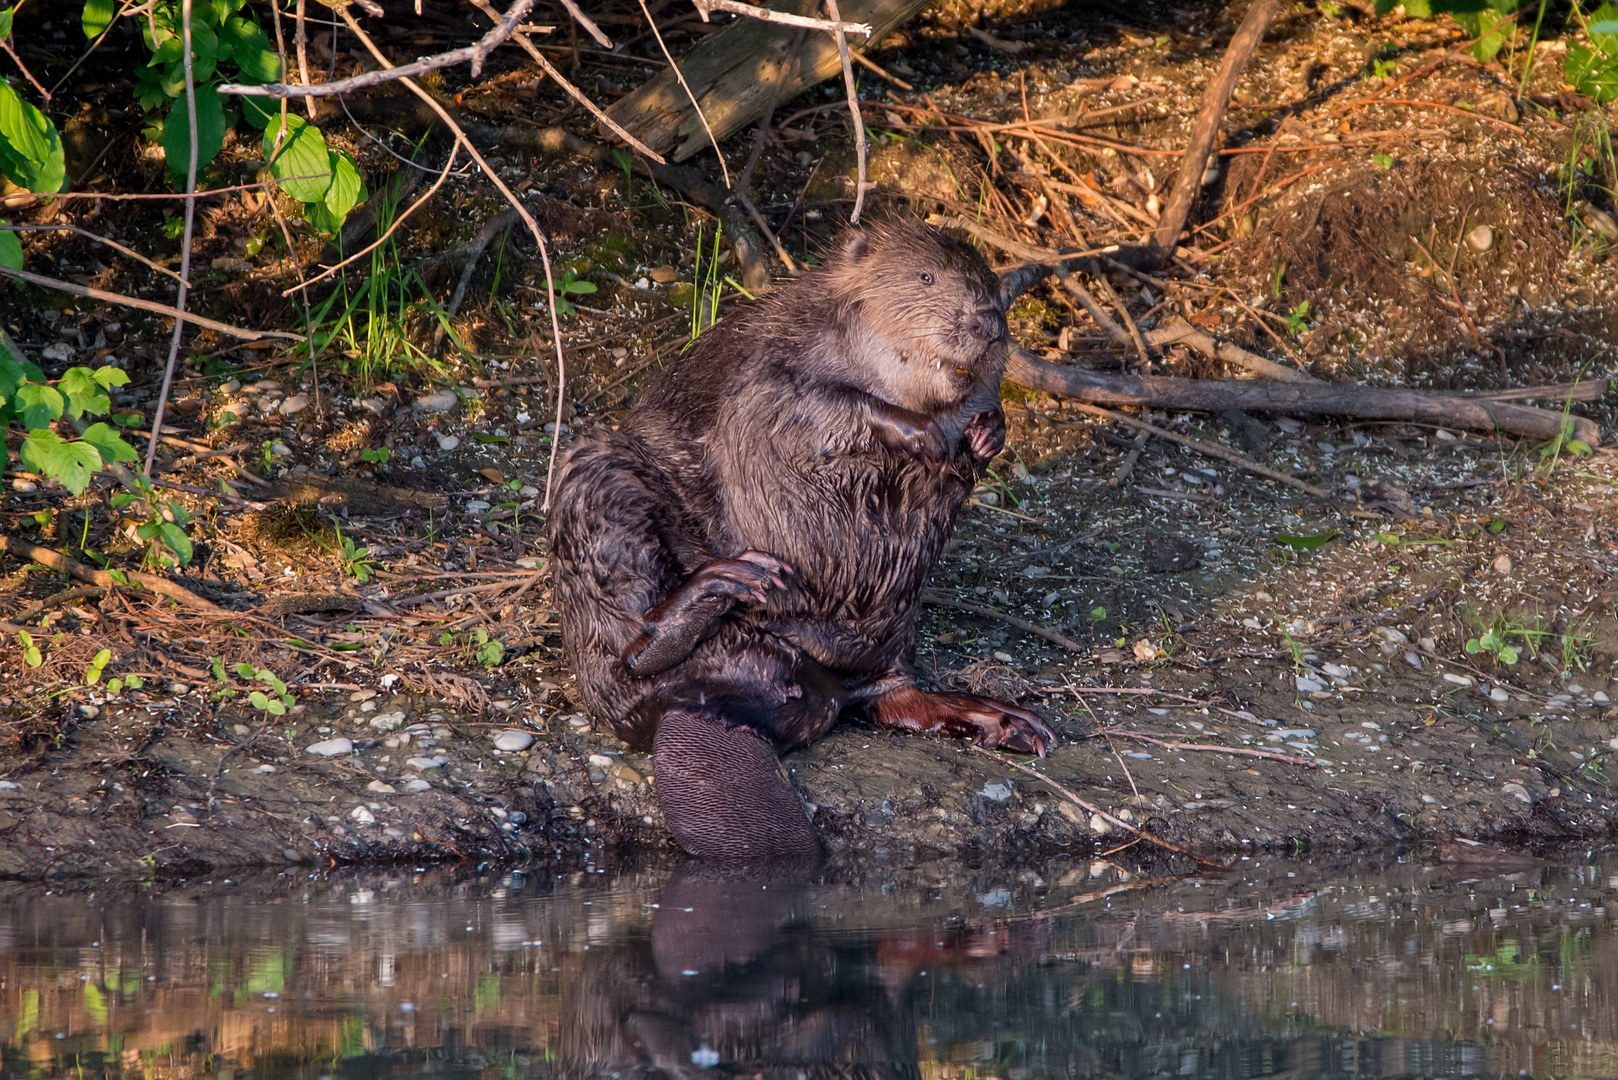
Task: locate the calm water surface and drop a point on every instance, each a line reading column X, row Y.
column 1283, row 968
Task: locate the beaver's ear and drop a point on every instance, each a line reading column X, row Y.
column 857, row 246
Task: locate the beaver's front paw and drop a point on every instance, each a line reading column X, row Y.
column 986, row 434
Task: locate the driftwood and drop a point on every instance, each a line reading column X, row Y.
column 733, row 74
column 1324, row 399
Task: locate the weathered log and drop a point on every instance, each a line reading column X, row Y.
column 1320, row 399
column 734, row 72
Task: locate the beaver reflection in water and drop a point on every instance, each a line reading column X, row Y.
column 742, row 562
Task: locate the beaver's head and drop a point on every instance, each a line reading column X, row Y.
column 922, row 311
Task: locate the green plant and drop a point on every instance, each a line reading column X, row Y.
column 478, row 646
column 705, row 285
column 118, row 685
column 378, row 456
column 1296, row 321
column 568, row 286
column 1593, row 68
column 1493, row 642
column 30, row 652
column 31, row 154
column 357, row 561
column 165, row 522
column 92, row 674
column 1383, row 69
column 1384, row 162
column 274, row 703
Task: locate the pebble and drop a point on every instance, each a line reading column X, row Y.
column 374, row 406
column 1498, row 693
column 996, row 791
column 1414, row 660
column 9, row 785
column 280, row 449
column 362, row 815
column 439, row 401
column 418, row 784
column 265, row 770
column 25, row 487
column 1458, row 680
column 448, row 442
column 387, row 721
column 379, row 786
column 601, row 761
column 513, row 741
column 1502, row 563
column 331, row 748
column 57, row 350
column 427, row 762
column 1307, row 685
column 1600, row 697
column 1480, row 239
column 294, row 404
column 1517, row 791
column 477, row 506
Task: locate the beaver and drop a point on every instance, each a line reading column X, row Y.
column 741, row 562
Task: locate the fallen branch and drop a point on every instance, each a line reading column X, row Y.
column 1180, row 332
column 735, row 7
column 1096, row 811
column 938, row 599
column 1188, row 181
column 33, row 611
column 476, row 53
column 45, row 556
column 480, row 243
column 148, row 305
column 1239, row 751
column 1322, row 399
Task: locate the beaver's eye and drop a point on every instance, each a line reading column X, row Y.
column 926, row 278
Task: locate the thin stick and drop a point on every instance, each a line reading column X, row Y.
column 301, row 39
column 678, row 74
column 871, row 65
column 147, row 305
column 1096, row 811
column 853, row 109
column 735, row 7
column 573, row 91
column 1122, row 308
column 589, row 26
column 400, row 220
column 764, row 227
column 133, row 254
column 938, row 599
column 1414, row 103
column 185, row 242
column 5, row 43
column 522, row 211
column 1110, row 328
column 203, row 194
column 1239, row 751
column 1250, row 200
column 475, row 53
column 22, row 549
column 1208, row 449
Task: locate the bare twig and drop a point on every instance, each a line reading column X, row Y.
column 474, row 253
column 735, row 7
column 147, row 305
column 98, row 238
column 45, row 556
column 1112, row 329
column 5, row 43
column 301, row 40
column 475, row 53
column 1238, row 751
column 185, row 242
column 522, row 211
column 589, row 26
column 1096, row 811
column 938, row 599
column 853, row 110
column 680, row 75
column 449, row 165
column 1178, row 331
column 573, row 91
column 764, row 227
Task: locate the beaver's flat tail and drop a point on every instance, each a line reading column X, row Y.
column 722, row 794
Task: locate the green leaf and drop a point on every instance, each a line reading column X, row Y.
column 302, row 164
column 1305, row 543
column 175, row 539
column 246, row 671
column 259, row 111
column 73, row 463
column 1507, row 654
column 210, row 131
column 107, row 442
column 1592, row 73
column 111, row 377
column 134, row 682
column 84, row 393
column 98, row 15
column 12, row 376
column 11, row 250
column 30, row 149
column 5, row 23
column 253, row 52
column 40, row 405
column 347, row 188
column 1473, row 646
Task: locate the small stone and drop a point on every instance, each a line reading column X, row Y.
column 1601, row 224
column 1458, row 680
column 1391, row 636
column 1307, row 685
column 417, row 784
column 89, row 712
column 25, row 487
column 448, row 442
column 513, row 741
column 1429, row 800
column 425, row 763
column 601, row 761
column 373, row 405
column 997, row 791
column 331, row 748
column 379, row 787
column 1414, row 660
column 280, row 449
column 439, row 401
column 264, row 770
column 9, row 785
column 179, row 689
column 387, row 721
column 1099, row 825
column 1502, row 563
column 1498, row 693
column 626, row 775
column 1600, row 697
column 294, row 404
column 363, row 816
column 478, row 506
column 1517, row 791
column 662, row 274
column 57, row 350
column 1480, row 239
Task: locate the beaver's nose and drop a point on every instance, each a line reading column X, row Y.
column 988, row 324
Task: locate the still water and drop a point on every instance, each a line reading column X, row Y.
column 1397, row 968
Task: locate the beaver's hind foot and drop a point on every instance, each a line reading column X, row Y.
column 987, row 722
